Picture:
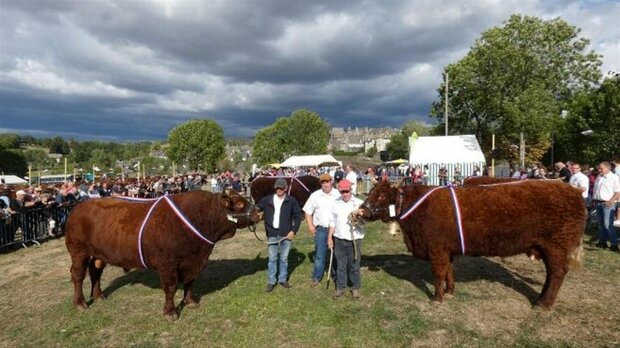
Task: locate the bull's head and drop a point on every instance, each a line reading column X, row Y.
column 239, row 209
column 377, row 205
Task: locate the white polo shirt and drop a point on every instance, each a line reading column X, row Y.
column 581, row 181
column 352, row 177
column 605, row 186
column 277, row 205
column 320, row 205
column 340, row 219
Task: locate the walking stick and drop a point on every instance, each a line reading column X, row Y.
column 329, row 270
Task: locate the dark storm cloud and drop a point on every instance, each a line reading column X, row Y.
column 132, row 70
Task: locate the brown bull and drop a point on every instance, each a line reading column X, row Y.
column 106, row 230
column 299, row 187
column 503, row 220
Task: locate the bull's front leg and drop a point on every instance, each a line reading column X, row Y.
column 169, row 285
column 449, row 281
column 188, row 295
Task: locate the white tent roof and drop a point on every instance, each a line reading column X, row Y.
column 311, row 161
column 446, row 150
column 12, row 179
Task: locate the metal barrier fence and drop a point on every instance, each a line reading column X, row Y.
column 33, row 225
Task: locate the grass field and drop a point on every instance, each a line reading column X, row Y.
column 492, row 306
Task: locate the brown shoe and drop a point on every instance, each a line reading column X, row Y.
column 286, row 285
column 269, row 287
column 314, row 282
column 338, row 295
column 356, row 294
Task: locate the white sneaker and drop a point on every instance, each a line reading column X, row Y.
column 617, row 223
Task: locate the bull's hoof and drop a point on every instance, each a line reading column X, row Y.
column 193, row 305
column 448, row 295
column 81, row 307
column 542, row 306
column 171, row 316
column 100, row 297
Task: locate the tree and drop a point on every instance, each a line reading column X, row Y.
column 37, row 158
column 599, row 112
column 9, row 141
column 196, row 142
column 13, row 162
column 398, row 147
column 303, row 133
column 59, row 145
column 516, row 79
column 272, row 144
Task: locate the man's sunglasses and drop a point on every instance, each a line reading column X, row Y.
column 345, row 191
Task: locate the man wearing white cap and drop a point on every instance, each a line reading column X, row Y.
column 318, row 211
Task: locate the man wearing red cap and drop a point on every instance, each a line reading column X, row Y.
column 346, row 239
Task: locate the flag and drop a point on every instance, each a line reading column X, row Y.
column 96, row 169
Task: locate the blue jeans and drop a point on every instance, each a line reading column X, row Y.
column 348, row 265
column 272, row 266
column 606, row 230
column 320, row 249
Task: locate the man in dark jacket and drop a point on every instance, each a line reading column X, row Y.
column 282, row 219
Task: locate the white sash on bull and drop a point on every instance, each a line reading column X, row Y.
column 457, row 212
column 148, row 215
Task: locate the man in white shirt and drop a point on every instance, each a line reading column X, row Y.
column 605, row 194
column 580, row 181
column 617, row 172
column 318, row 211
column 282, row 218
column 346, row 240
column 352, row 177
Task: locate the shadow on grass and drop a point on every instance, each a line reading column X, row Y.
column 466, row 269
column 217, row 275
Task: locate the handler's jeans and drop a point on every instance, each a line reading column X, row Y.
column 320, row 249
column 348, row 265
column 272, row 266
column 606, row 229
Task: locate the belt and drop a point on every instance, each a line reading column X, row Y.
column 598, row 201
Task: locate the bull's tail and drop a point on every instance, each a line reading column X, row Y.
column 576, row 256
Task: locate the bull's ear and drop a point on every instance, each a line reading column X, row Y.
column 226, row 201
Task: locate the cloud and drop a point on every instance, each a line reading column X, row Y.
column 132, row 70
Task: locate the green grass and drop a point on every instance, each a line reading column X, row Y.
column 492, row 306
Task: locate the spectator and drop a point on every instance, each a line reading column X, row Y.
column 605, row 194
column 617, row 172
column 351, row 176
column 443, row 176
column 580, row 181
column 563, row 171
column 282, row 220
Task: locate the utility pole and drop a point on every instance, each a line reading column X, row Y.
column 445, row 114
column 522, row 151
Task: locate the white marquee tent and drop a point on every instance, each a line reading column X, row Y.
column 12, row 180
column 311, row 161
column 455, row 152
